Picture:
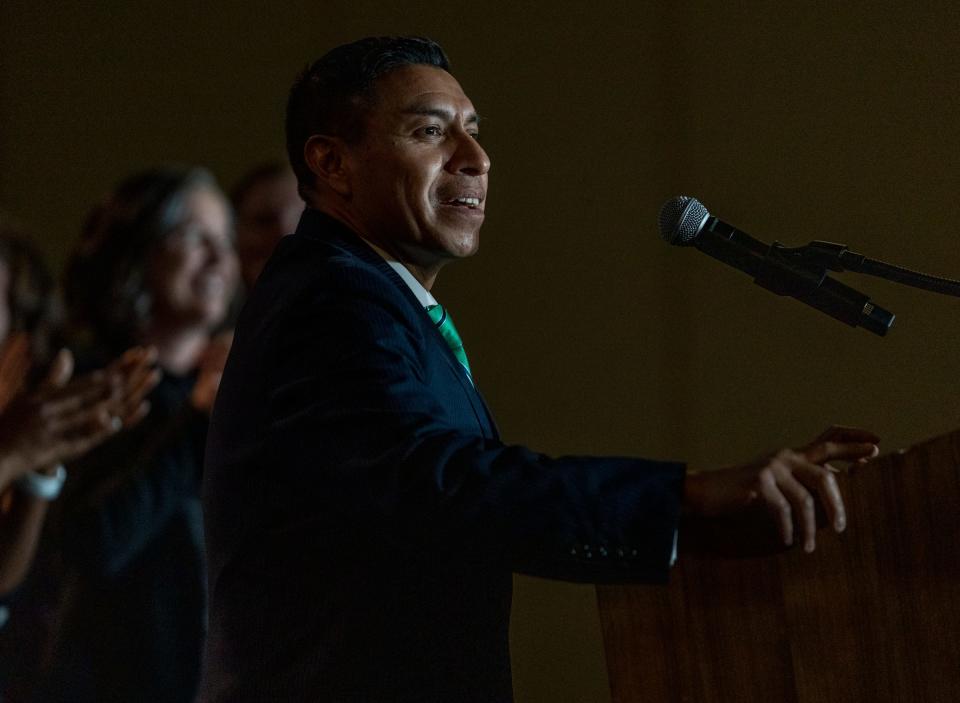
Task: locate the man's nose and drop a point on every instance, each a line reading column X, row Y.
column 469, row 157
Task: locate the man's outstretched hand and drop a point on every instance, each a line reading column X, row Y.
column 789, row 484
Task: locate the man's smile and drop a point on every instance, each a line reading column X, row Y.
column 471, row 199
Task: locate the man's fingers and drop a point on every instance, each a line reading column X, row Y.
column 843, row 443
column 822, row 452
column 804, row 508
column 771, row 495
column 822, row 481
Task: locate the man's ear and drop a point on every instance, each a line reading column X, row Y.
column 326, row 157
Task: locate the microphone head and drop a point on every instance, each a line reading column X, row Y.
column 681, row 220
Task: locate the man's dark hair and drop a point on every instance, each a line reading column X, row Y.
column 329, row 94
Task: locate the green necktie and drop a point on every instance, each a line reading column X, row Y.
column 444, row 323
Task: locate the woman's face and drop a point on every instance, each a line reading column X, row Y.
column 193, row 273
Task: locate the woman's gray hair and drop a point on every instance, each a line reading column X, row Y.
column 106, row 280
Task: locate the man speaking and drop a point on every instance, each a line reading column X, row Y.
column 363, row 516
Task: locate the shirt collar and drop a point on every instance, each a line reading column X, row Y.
column 424, row 296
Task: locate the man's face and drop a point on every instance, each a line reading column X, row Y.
column 419, row 181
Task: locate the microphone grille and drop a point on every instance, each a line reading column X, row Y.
column 681, row 219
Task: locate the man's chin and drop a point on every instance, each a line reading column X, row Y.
column 440, row 246
column 462, row 244
column 463, row 251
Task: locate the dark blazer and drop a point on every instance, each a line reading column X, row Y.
column 363, row 517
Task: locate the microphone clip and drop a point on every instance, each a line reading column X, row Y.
column 783, row 273
column 802, row 274
column 828, row 255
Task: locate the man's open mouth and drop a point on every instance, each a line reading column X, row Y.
column 464, row 201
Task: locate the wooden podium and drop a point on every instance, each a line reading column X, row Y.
column 873, row 615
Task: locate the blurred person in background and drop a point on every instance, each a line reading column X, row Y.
column 46, row 416
column 156, row 267
column 57, row 422
column 41, row 427
column 28, row 301
column 267, row 207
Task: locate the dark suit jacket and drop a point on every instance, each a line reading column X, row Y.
column 363, row 517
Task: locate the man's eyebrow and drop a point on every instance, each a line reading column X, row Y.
column 442, row 113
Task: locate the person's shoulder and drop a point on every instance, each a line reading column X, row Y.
column 306, row 266
column 324, row 259
column 325, row 272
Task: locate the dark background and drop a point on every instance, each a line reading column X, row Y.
column 586, row 332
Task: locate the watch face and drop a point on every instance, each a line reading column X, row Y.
column 43, row 486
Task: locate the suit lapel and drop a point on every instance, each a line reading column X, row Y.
column 333, row 229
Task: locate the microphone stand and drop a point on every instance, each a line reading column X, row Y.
column 785, row 271
column 836, row 257
column 801, row 272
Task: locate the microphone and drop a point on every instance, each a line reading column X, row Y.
column 684, row 221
